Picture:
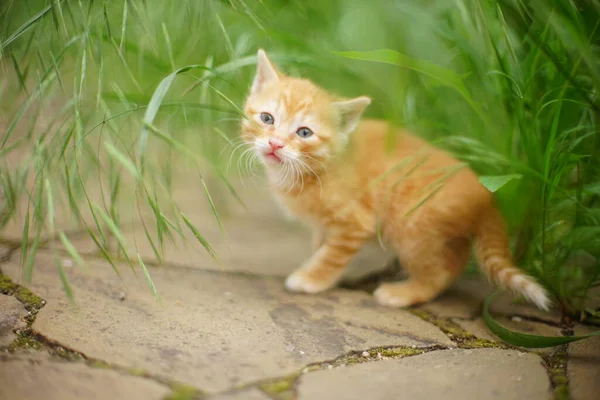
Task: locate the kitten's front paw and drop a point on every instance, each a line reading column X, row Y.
column 390, row 296
column 301, row 281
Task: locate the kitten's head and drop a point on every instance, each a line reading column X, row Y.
column 293, row 123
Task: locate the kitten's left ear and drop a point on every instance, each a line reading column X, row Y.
column 349, row 113
column 265, row 72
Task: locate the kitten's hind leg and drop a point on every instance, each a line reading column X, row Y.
column 325, row 267
column 430, row 272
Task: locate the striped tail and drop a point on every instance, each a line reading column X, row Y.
column 493, row 255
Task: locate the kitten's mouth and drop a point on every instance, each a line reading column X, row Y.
column 273, row 157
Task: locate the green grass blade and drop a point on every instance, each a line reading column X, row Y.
column 28, row 272
column 154, row 248
column 114, row 229
column 234, row 106
column 494, row 183
column 103, row 250
column 26, row 26
column 148, row 278
column 50, row 205
column 25, row 240
column 122, row 159
column 213, row 208
column 155, row 102
column 64, row 280
column 231, row 188
column 444, row 76
column 123, row 25
column 71, row 249
column 20, row 76
column 525, row 339
column 198, row 236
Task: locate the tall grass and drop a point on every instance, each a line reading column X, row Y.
column 116, row 91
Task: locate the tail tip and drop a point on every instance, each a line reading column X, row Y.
column 538, row 296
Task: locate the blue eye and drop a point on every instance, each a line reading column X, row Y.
column 267, row 118
column 304, row 132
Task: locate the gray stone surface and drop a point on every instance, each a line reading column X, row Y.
column 11, row 318
column 448, row 374
column 211, row 329
column 584, row 368
column 480, row 329
column 248, row 394
column 463, row 300
column 24, row 378
column 466, row 296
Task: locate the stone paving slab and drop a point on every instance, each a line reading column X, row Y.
column 212, row 330
column 447, row 374
column 463, row 300
column 35, row 378
column 584, row 368
column 12, row 313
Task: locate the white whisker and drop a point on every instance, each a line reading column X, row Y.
column 233, row 153
column 308, row 167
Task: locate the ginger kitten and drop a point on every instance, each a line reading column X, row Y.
column 331, row 169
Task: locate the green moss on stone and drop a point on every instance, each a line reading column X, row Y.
column 24, row 295
column 477, row 343
column 398, row 352
column 183, row 392
column 556, row 363
column 28, row 339
column 280, row 385
column 457, row 334
column 99, row 364
column 137, row 371
column 447, row 326
column 25, row 340
column 64, row 353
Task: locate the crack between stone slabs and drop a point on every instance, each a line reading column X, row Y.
column 555, row 362
column 28, row 338
column 461, row 337
column 284, row 387
column 37, row 341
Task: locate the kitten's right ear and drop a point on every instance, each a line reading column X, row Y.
column 349, row 113
column 265, row 72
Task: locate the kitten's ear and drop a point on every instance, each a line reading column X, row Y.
column 349, row 113
column 265, row 72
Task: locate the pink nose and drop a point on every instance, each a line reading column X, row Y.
column 275, row 144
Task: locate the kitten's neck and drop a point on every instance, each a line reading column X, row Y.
column 292, row 182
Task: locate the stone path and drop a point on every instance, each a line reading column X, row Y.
column 230, row 330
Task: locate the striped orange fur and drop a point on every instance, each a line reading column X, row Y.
column 332, row 170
